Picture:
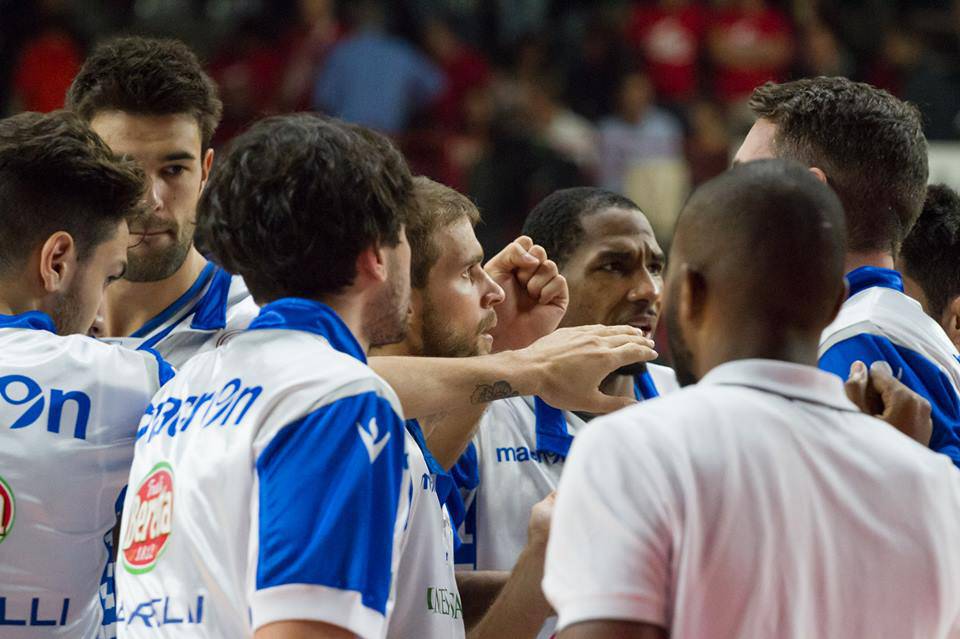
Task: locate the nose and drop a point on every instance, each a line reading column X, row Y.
column 153, row 198
column 493, row 293
column 646, row 286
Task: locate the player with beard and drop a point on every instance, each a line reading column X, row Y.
column 150, row 100
column 606, row 250
column 455, row 303
column 835, row 126
column 67, row 403
column 310, row 441
column 759, row 502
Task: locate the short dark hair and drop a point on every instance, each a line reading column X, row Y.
column 435, row 207
column 773, row 234
column 146, row 76
column 555, row 223
column 931, row 253
column 58, row 175
column 297, row 198
column 869, row 143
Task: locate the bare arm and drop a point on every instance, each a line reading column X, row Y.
column 448, row 434
column 608, row 629
column 565, row 368
column 478, row 590
column 521, row 609
column 302, row 630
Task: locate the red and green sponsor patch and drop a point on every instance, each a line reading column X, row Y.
column 150, row 521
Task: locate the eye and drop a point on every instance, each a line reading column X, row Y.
column 656, row 268
column 613, row 267
column 173, row 170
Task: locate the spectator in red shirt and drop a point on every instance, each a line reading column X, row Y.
column 463, row 67
column 750, row 43
column 46, row 67
column 669, row 34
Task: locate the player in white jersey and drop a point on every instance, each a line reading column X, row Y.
column 607, row 251
column 68, row 404
column 834, row 126
column 758, row 503
column 455, row 303
column 268, row 494
column 151, row 100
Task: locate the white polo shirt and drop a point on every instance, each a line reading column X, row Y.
column 514, row 461
column 216, row 306
column 759, row 503
column 269, row 483
column 69, row 407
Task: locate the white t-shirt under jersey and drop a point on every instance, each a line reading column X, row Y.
column 69, row 407
column 759, row 503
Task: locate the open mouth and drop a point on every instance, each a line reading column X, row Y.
column 645, row 324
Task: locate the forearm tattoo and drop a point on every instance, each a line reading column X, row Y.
column 490, row 392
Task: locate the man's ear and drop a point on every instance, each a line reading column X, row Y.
column 205, row 165
column 951, row 321
column 819, row 174
column 372, row 264
column 58, row 262
column 693, row 295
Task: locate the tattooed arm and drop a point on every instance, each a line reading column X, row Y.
column 565, row 368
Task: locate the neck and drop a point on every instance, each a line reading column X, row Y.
column 16, row 298
column 761, row 342
column 400, row 349
column 130, row 305
column 350, row 309
column 881, row 259
column 618, row 386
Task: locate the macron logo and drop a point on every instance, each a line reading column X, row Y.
column 369, row 435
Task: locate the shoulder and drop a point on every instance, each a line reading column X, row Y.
column 303, row 364
column 241, row 307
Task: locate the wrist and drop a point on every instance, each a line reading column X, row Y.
column 523, row 370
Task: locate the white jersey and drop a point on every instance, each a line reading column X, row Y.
column 759, row 503
column 879, row 322
column 269, row 483
column 215, row 307
column 69, row 406
column 514, row 462
column 428, row 601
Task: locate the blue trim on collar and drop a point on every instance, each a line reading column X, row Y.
column 37, row 320
column 300, row 314
column 211, row 313
column 866, row 277
column 552, row 433
column 447, row 494
column 178, row 304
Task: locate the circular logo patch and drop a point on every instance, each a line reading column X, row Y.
column 8, row 509
column 150, row 522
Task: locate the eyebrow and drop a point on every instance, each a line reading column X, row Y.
column 476, row 259
column 178, row 155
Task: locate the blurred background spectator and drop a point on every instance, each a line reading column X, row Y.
column 508, row 100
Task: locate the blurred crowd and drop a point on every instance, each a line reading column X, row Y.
column 509, row 100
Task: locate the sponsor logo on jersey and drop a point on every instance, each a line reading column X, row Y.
column 523, row 454
column 148, row 529
column 369, row 436
column 8, row 509
column 441, row 601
